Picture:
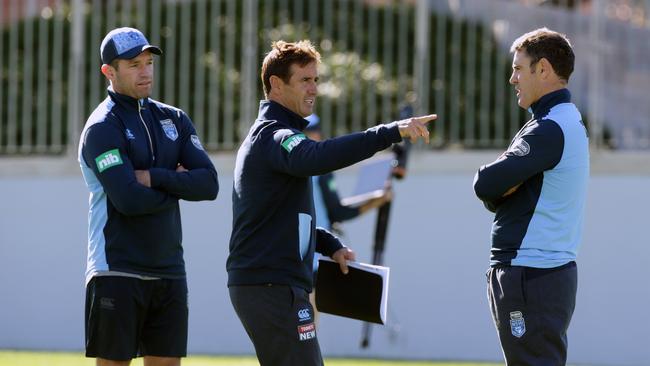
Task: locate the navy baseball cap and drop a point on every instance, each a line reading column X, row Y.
column 125, row 43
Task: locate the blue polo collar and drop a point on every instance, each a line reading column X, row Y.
column 542, row 106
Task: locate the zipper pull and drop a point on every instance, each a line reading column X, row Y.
column 140, row 109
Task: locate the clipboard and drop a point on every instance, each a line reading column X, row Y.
column 372, row 181
column 361, row 294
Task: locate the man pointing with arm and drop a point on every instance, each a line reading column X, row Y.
column 274, row 235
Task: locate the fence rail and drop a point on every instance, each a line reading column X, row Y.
column 378, row 56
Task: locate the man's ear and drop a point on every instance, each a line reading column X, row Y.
column 545, row 68
column 276, row 83
column 108, row 71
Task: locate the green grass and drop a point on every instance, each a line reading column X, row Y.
column 22, row 358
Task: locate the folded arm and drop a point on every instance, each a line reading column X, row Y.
column 534, row 151
column 198, row 179
column 104, row 152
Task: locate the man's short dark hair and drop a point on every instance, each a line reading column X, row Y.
column 548, row 44
column 115, row 64
column 282, row 55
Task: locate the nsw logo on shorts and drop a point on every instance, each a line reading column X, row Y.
column 306, row 332
column 517, row 324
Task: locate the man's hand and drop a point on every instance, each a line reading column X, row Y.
column 341, row 257
column 416, row 127
column 376, row 202
column 511, row 190
column 143, row 177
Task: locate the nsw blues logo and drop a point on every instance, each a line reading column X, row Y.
column 170, row 129
column 517, row 324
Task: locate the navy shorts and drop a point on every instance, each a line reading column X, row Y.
column 532, row 309
column 279, row 319
column 128, row 317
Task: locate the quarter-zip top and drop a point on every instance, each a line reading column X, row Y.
column 136, row 229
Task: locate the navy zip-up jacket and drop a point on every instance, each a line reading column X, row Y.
column 540, row 224
column 134, row 229
column 274, row 235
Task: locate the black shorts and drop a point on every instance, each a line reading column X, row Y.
column 129, row 317
column 280, row 321
column 532, row 309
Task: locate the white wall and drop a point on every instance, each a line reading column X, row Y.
column 437, row 248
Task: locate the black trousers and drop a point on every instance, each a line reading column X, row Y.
column 280, row 322
column 532, row 309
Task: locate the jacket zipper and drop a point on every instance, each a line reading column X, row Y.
column 153, row 157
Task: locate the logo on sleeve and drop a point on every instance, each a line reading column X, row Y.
column 129, row 135
column 196, row 142
column 108, row 159
column 170, row 129
column 293, row 141
column 520, row 147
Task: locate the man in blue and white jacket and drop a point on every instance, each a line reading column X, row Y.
column 274, row 234
column 537, row 189
column 138, row 157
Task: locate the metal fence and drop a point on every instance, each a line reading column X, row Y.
column 448, row 57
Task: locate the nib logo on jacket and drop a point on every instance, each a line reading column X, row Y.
column 108, row 159
column 293, row 141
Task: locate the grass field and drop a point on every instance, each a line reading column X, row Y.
column 21, row 358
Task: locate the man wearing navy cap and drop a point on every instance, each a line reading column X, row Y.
column 138, row 157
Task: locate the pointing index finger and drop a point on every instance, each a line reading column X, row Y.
column 427, row 118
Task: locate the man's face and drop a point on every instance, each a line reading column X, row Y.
column 525, row 80
column 299, row 94
column 134, row 77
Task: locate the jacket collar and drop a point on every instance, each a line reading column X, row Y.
column 541, row 107
column 270, row 110
column 126, row 101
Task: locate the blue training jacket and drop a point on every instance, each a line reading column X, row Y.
column 540, row 224
column 274, row 234
column 134, row 229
